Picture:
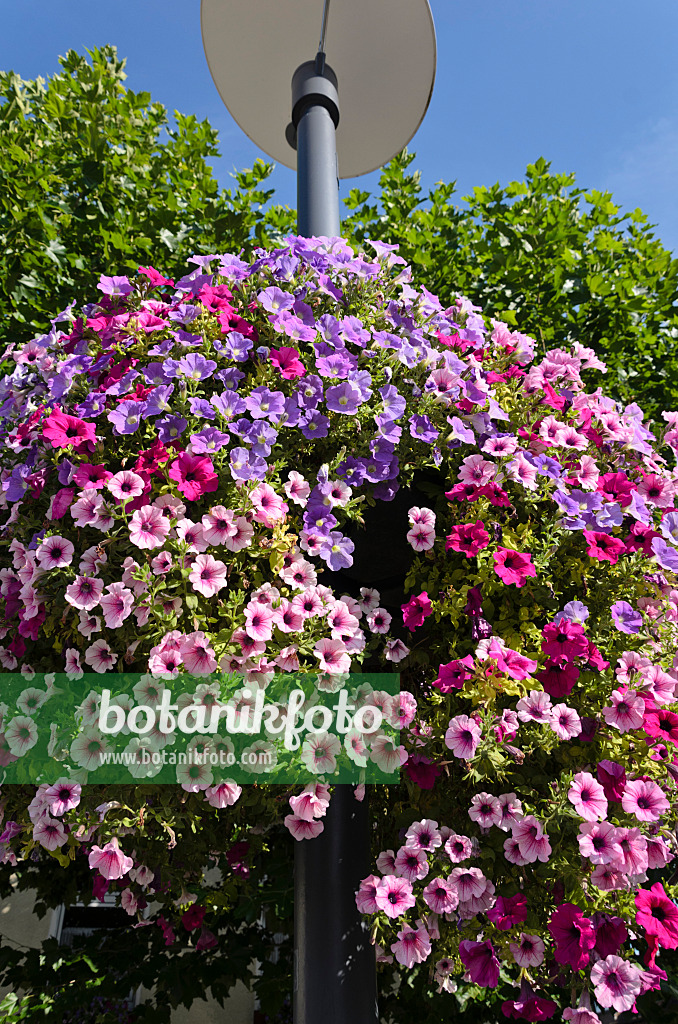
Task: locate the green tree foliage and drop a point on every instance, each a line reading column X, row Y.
column 559, row 262
column 93, row 179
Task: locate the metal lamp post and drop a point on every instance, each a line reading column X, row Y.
column 383, row 57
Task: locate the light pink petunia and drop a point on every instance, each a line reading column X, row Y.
column 424, row 835
column 441, row 896
column 302, row 829
column 259, row 621
column 365, row 896
column 50, row 833
column 462, row 736
column 269, row 506
column 412, row 947
column 411, row 864
column 616, row 983
column 126, row 485
column 528, row 951
column 485, row 810
column 587, row 797
column 84, row 592
column 565, row 722
column 333, row 656
column 627, row 710
column 532, row 841
column 21, row 734
column 645, row 799
column 116, row 604
column 208, row 575
column 110, row 860
column 63, row 795
column 148, row 527
column 598, row 841
column 394, row 895
column 100, row 656
column 55, row 552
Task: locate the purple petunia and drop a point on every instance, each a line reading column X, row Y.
column 625, row 617
column 126, row 417
column 196, row 366
column 236, row 346
column 344, row 398
column 170, row 427
column 208, row 440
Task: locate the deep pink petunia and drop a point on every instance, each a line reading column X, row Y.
column 64, row 431
column 416, row 610
column 194, row 475
column 513, row 566
column 469, row 539
column 603, row 547
column 481, row 962
column 288, row 362
column 573, row 934
column 658, row 915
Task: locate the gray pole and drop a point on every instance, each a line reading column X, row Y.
column 315, row 116
column 334, row 961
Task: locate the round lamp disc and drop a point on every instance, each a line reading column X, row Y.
column 382, row 51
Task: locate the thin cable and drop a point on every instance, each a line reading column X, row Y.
column 323, row 30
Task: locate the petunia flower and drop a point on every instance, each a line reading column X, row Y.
column 513, row 567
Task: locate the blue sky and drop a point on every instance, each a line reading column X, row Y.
column 591, row 85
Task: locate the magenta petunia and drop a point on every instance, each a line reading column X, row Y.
column 573, row 934
column 416, row 610
column 481, row 962
column 194, row 475
column 513, row 567
column 658, row 915
column 64, row 431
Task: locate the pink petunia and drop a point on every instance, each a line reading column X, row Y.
column 513, row 566
column 462, row 736
column 110, row 860
column 412, row 946
column 208, row 575
column 469, row 539
column 587, row 797
column 573, row 934
column 64, row 431
column 55, row 552
column 116, row 604
column 481, row 962
column 416, row 610
column 288, row 363
column 603, row 547
column 645, row 799
column 194, row 475
column 148, row 527
column 394, row 896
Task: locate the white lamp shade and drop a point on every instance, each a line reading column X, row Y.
column 382, row 51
